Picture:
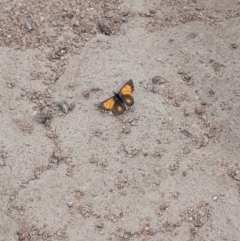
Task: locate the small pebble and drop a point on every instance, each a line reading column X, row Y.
column 204, row 117
column 93, row 160
column 199, row 110
column 150, row 87
column 76, row 23
column 86, row 94
column 108, row 14
column 64, row 106
column 71, row 106
column 215, row 198
column 201, row 213
column 104, row 29
column 187, row 111
column 127, row 128
column 158, row 80
column 28, row 26
column 100, row 225
column 180, row 71
column 70, row 204
column 237, row 175
column 233, row 46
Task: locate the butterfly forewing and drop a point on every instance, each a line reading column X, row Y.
column 108, row 104
column 127, row 89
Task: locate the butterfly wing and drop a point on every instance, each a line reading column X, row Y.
column 127, row 89
column 118, row 108
column 128, row 100
column 107, row 104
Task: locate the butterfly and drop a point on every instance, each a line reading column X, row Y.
column 117, row 103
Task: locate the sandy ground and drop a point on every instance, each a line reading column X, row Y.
column 168, row 169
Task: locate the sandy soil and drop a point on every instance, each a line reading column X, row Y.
column 168, row 169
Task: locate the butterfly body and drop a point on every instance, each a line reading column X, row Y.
column 118, row 97
column 117, row 103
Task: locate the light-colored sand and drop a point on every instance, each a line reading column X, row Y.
column 168, row 169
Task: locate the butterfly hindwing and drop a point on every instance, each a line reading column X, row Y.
column 118, row 108
column 107, row 104
column 127, row 89
column 128, row 100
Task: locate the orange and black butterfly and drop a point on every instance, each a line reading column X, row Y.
column 117, row 103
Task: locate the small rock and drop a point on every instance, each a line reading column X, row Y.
column 108, row 14
column 93, row 160
column 237, row 175
column 233, row 46
column 104, row 29
column 180, row 71
column 125, row 13
column 7, row 41
column 186, row 133
column 204, row 117
column 217, row 66
column 28, row 26
column 157, row 155
column 50, row 134
column 211, row 92
column 192, row 35
column 69, row 15
column 187, row 111
column 76, row 23
column 184, row 173
column 186, row 150
column 70, row 204
column 61, row 51
column 44, row 116
column 187, row 78
column 40, row 232
column 158, row 80
column 150, row 87
column 226, row 105
column 82, row 15
column 127, row 128
column 201, row 213
column 215, row 198
column 71, row 106
column 11, row 85
column 199, row 110
column 64, row 106
column 100, row 225
column 86, row 94
column 97, row 133
column 157, row 170
column 155, row 89
column 89, row 9
column 175, row 194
